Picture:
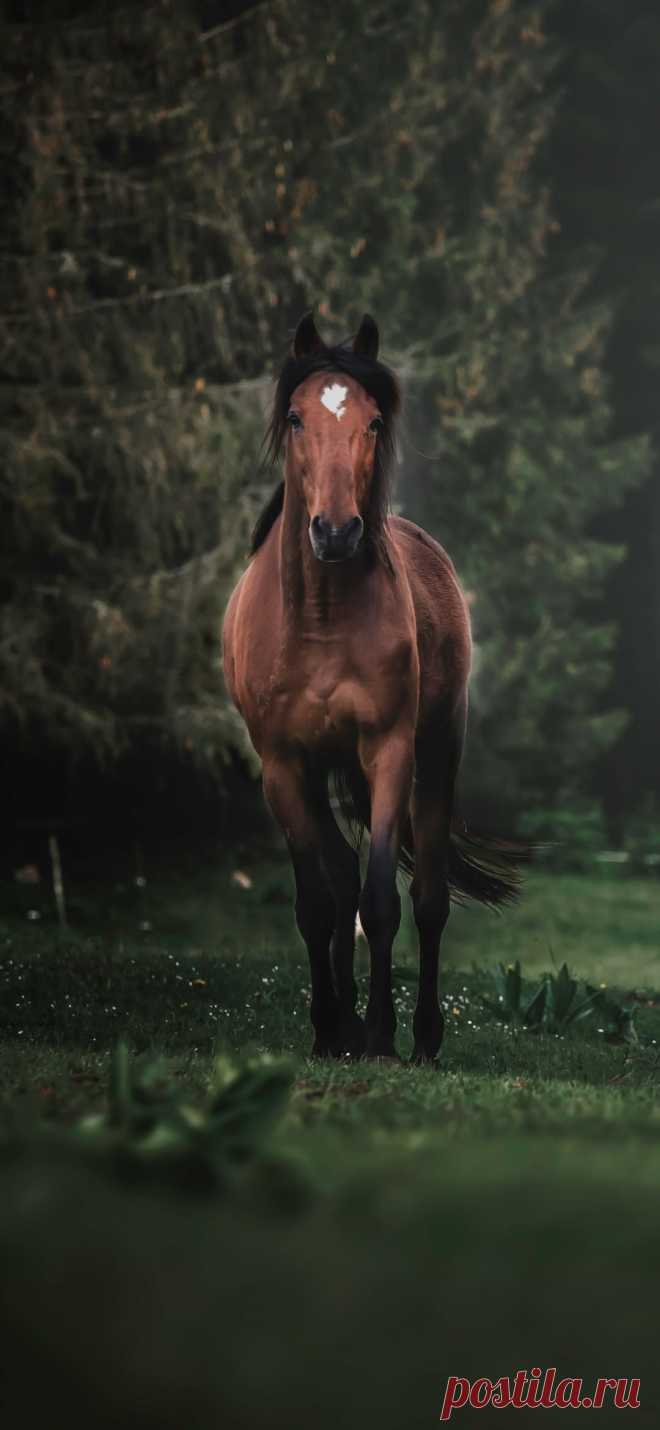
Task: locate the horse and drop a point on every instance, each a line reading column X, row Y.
column 347, row 651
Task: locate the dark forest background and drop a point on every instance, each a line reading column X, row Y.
column 182, row 180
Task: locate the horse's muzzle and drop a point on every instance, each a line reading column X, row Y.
column 335, row 543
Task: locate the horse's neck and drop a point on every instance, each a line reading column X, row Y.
column 294, row 576
column 313, row 591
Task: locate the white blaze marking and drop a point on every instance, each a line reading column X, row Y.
column 334, row 399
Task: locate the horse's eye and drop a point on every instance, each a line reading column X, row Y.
column 294, row 421
column 375, row 424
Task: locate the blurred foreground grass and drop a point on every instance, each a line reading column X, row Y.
column 398, row 1225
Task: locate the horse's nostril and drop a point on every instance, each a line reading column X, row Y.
column 335, row 543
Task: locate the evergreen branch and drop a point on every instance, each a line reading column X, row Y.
column 64, row 28
column 201, row 570
column 257, row 5
column 159, row 295
column 171, row 394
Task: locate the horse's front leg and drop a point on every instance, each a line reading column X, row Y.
column 290, row 797
column 388, row 765
column 342, row 868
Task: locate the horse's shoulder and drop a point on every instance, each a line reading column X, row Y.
column 232, row 621
column 232, row 603
column 441, row 611
column 230, row 611
column 418, row 541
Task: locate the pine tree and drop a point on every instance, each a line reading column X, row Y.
column 125, row 491
column 604, row 153
column 184, row 189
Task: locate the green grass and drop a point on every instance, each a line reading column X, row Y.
column 606, row 928
column 398, row 1226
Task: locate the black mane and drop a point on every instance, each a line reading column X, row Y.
column 381, row 384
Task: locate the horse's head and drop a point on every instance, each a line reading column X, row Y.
column 333, row 414
column 331, row 445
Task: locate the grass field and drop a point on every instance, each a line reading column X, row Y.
column 397, row 1225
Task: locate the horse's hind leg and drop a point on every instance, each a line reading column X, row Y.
column 437, row 762
column 292, row 800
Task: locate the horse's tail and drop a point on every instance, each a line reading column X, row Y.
column 481, row 867
column 485, row 868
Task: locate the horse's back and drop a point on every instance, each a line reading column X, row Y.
column 442, row 617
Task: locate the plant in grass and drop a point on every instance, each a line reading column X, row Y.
column 148, row 1132
column 618, row 1019
column 555, row 1005
column 563, row 1005
column 509, row 1005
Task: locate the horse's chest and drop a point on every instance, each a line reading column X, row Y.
column 330, row 698
column 329, row 711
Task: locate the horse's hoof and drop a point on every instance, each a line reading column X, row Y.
column 424, row 1060
column 352, row 1039
column 323, row 1051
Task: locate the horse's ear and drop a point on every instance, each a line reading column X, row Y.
column 307, row 339
column 365, row 342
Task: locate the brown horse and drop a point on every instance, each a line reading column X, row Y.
column 347, row 651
